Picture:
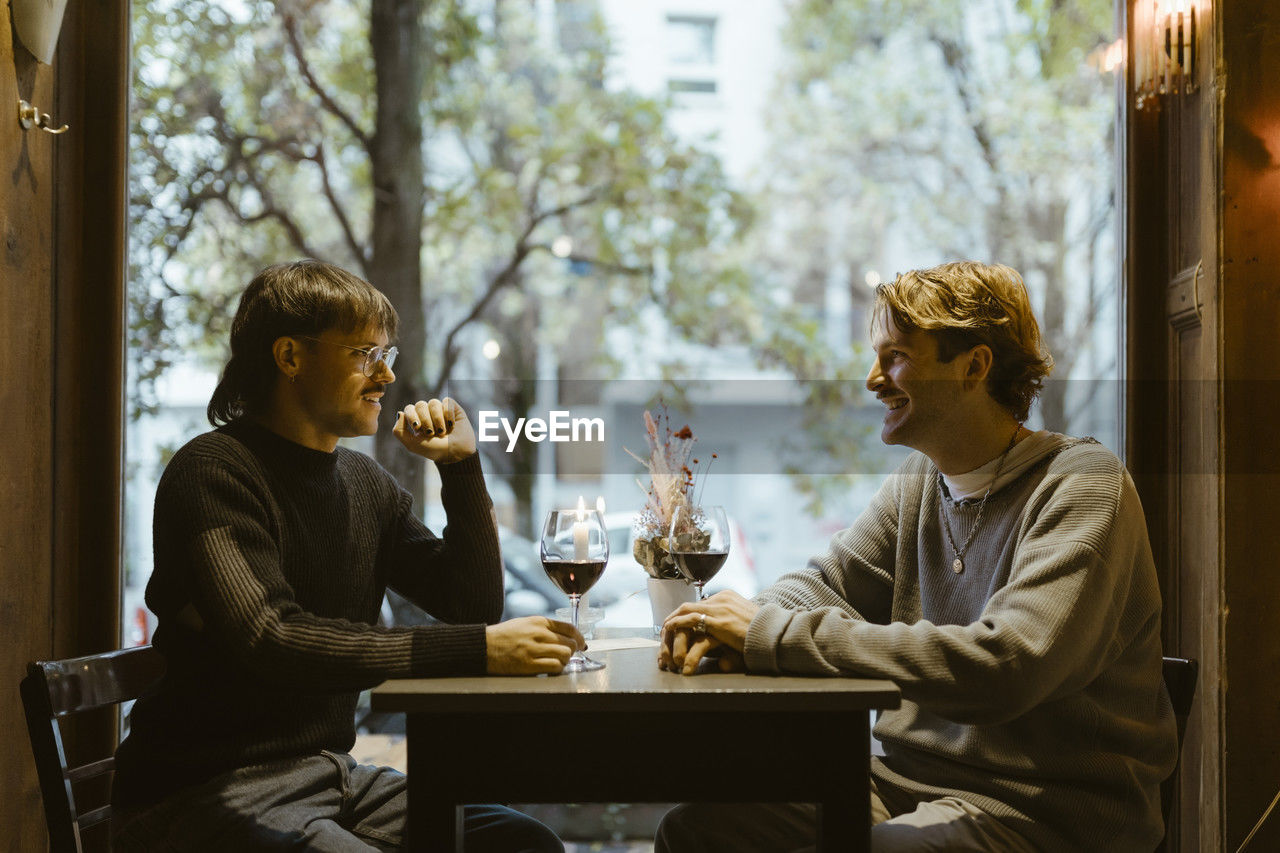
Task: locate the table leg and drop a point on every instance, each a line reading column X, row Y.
column 844, row 814
column 434, row 821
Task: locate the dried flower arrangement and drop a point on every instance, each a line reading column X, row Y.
column 671, row 484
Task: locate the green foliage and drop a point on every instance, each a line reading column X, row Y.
column 954, row 119
column 248, row 149
column 221, row 151
column 964, row 130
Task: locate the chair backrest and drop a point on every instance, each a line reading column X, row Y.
column 54, row 690
column 1180, row 676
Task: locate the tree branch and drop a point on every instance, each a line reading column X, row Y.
column 271, row 211
column 953, row 57
column 507, row 275
column 610, row 266
column 503, row 278
column 295, row 46
column 538, row 218
column 293, row 149
column 353, row 243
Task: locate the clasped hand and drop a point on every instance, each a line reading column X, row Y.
column 715, row 627
column 436, row 429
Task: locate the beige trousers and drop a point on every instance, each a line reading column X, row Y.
column 899, row 824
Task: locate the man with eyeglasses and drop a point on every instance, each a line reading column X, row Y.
column 273, row 549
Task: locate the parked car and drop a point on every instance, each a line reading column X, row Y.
column 529, row 591
column 623, row 588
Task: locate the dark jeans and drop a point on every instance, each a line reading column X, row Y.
column 325, row 802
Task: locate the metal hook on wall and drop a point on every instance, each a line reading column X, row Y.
column 30, row 116
column 1195, row 289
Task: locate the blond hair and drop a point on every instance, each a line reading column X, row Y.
column 965, row 304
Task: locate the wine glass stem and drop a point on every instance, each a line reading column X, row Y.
column 573, row 603
column 701, row 595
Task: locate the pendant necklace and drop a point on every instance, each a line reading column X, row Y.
column 957, row 565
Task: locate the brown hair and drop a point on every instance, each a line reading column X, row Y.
column 965, row 304
column 305, row 297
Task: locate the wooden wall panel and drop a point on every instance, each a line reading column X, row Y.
column 1194, row 542
column 1165, row 334
column 1250, row 281
column 89, row 240
column 61, row 331
column 26, row 398
column 1203, row 194
column 1172, row 408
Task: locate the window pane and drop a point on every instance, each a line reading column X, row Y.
column 691, row 40
column 625, row 203
column 734, row 242
column 705, row 87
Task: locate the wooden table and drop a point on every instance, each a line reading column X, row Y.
column 630, row 733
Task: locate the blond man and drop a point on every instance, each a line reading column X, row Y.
column 1001, row 577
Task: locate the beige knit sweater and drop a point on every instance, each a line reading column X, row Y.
column 1031, row 682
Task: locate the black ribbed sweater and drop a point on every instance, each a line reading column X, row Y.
column 271, row 560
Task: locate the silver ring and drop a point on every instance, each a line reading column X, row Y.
column 702, row 624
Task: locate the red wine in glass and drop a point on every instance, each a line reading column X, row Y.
column 699, row 542
column 700, row 566
column 575, row 550
column 574, row 577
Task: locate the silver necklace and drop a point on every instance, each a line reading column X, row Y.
column 957, row 565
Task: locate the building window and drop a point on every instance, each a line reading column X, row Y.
column 693, row 87
column 691, row 40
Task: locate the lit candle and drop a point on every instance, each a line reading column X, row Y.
column 1167, row 59
column 580, row 534
column 1181, row 58
column 1141, row 45
column 1155, row 69
column 1191, row 60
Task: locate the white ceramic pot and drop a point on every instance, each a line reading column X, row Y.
column 665, row 595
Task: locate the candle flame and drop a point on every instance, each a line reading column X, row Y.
column 1115, row 55
column 582, row 508
column 1108, row 57
column 600, row 504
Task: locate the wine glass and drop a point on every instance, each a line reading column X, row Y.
column 699, row 542
column 575, row 549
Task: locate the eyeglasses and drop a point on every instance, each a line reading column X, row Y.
column 372, row 356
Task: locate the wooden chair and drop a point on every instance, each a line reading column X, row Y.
column 1180, row 676
column 53, row 690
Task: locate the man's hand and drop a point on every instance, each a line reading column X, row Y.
column 436, row 429
column 696, row 628
column 690, row 649
column 530, row 645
